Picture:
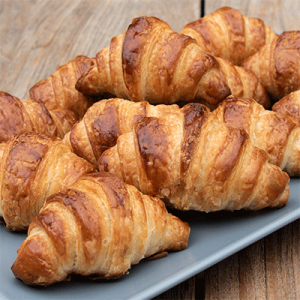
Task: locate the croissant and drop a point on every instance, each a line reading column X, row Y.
column 228, row 34
column 273, row 132
column 195, row 162
column 151, row 62
column 34, row 166
column 58, row 90
column 105, row 121
column 289, row 105
column 99, row 226
column 277, row 65
column 20, row 116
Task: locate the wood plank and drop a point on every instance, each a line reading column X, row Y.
column 223, row 279
column 190, row 289
column 240, row 276
column 184, row 291
column 268, row 269
column 282, row 263
column 252, row 271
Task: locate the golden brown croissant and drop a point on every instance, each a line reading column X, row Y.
column 277, row 65
column 99, row 226
column 273, row 132
column 226, row 33
column 289, row 105
column 194, row 161
column 19, row 116
column 151, row 62
column 32, row 167
column 58, row 90
column 105, row 121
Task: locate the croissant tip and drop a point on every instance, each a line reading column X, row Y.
column 88, row 83
column 79, row 84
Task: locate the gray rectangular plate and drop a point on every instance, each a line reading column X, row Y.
column 213, row 237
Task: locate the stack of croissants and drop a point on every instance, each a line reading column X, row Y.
column 206, row 119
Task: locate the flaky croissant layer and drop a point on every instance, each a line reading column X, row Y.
column 271, row 131
column 277, row 65
column 289, row 105
column 151, row 62
column 105, row 121
column 19, row 116
column 194, row 161
column 99, row 226
column 34, row 166
column 228, row 34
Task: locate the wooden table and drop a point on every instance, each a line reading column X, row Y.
column 36, row 36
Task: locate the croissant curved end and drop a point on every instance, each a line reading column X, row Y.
column 88, row 82
column 32, row 266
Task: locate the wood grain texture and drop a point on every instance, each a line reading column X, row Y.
column 37, row 36
column 268, row 269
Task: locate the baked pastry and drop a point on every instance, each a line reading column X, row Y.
column 273, row 132
column 195, row 162
column 58, row 90
column 98, row 227
column 289, row 105
column 151, row 62
column 228, row 34
column 20, row 116
column 277, row 65
column 105, row 121
column 33, row 167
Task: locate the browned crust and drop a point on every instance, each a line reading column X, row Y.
column 73, row 142
column 214, row 88
column 277, row 65
column 195, row 115
column 84, row 216
column 153, row 145
column 30, row 264
column 14, row 117
column 104, row 130
column 289, row 105
column 238, row 116
column 287, row 62
column 279, row 129
column 229, row 155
